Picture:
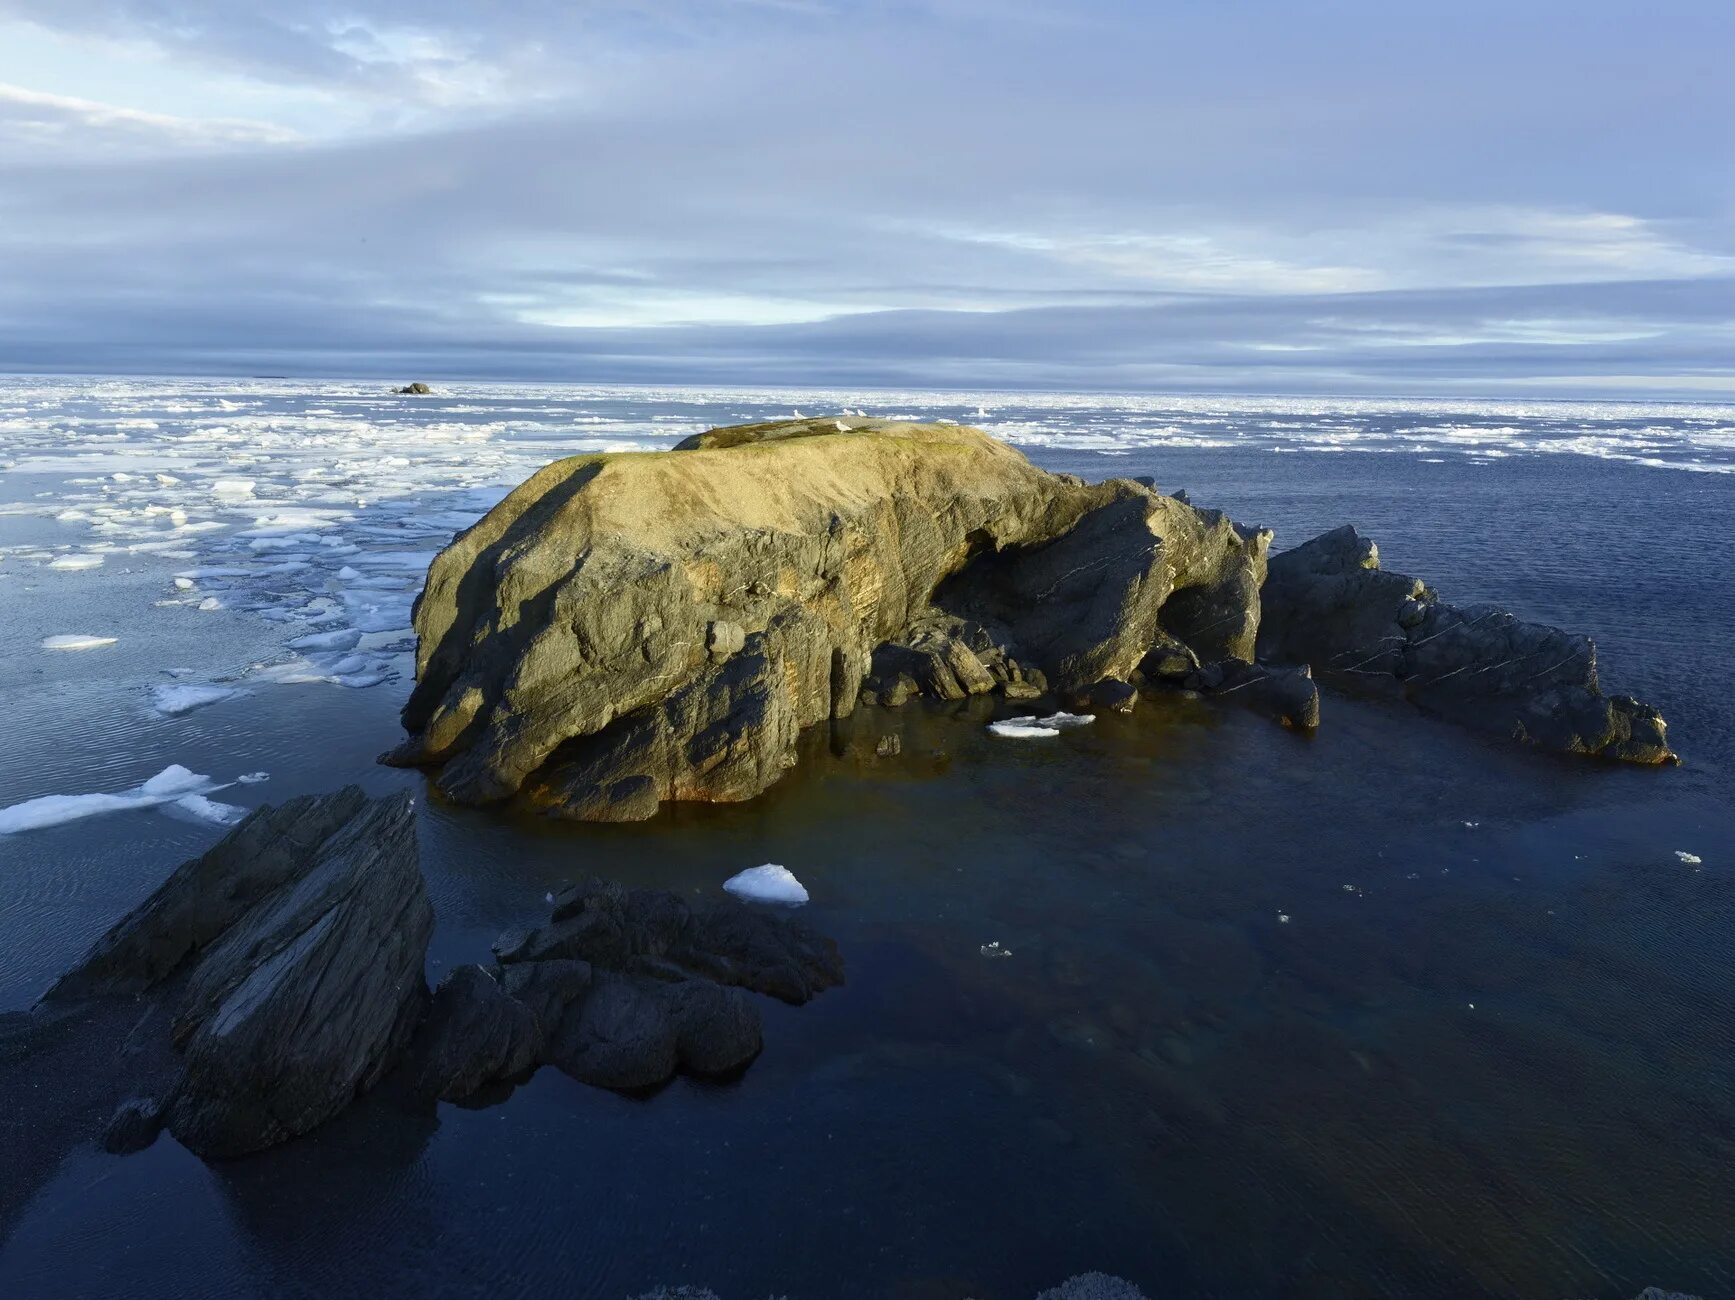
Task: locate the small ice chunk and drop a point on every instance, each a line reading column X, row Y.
column 173, row 701
column 1691, row 859
column 1052, row 725
column 253, row 778
column 993, row 949
column 233, row 488
column 183, row 584
column 767, row 884
column 1023, row 729
column 174, row 780
column 75, row 562
column 209, row 810
column 210, row 603
column 75, row 641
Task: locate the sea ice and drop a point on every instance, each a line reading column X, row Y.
column 176, row 700
column 75, row 562
column 1691, row 859
column 1022, row 729
column 171, row 784
column 209, row 810
column 344, row 638
column 1030, row 727
column 74, row 641
column 767, row 884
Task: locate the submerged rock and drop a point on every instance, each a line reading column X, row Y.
column 1328, row 603
column 626, row 630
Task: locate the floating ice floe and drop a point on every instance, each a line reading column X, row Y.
column 173, row 785
column 993, row 949
column 176, row 700
column 252, row 778
column 344, row 638
column 75, row 562
column 1032, row 727
column 75, row 641
column 767, row 884
column 1691, row 859
column 209, row 810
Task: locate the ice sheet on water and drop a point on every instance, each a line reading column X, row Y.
column 75, row 641
column 343, row 638
column 209, row 810
column 172, row 701
column 172, row 784
column 86, row 561
column 1034, row 728
column 770, row 883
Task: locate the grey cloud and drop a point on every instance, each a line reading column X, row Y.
column 972, row 191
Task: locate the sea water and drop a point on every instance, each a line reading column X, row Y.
column 1182, row 996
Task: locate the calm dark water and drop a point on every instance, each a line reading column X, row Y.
column 1491, row 1052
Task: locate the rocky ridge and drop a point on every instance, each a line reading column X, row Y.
column 628, row 630
column 278, row 976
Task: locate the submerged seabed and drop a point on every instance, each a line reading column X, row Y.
column 1490, row 1051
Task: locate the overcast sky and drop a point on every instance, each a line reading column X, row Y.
column 1284, row 195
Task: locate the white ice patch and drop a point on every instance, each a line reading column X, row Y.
column 173, row 701
column 75, row 562
column 173, row 783
column 1691, row 859
column 1022, row 729
column 209, row 810
column 1034, row 728
column 344, row 638
column 75, row 641
column 767, row 884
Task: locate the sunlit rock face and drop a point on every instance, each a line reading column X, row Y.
column 624, row 630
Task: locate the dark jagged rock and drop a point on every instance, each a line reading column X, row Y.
column 279, row 975
column 652, row 932
column 1289, row 695
column 475, row 1033
column 207, row 895
column 290, row 956
column 626, row 630
column 623, row 988
column 135, row 1125
column 1328, row 603
column 308, row 999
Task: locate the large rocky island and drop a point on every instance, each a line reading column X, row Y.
column 626, row 630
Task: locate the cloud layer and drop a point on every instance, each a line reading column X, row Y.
column 1347, row 197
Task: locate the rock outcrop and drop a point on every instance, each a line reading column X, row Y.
column 1328, row 603
column 296, row 947
column 279, row 975
column 621, row 989
column 625, row 630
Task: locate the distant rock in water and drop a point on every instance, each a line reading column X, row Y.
column 624, row 630
column 417, row 389
column 276, row 977
column 1328, row 603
